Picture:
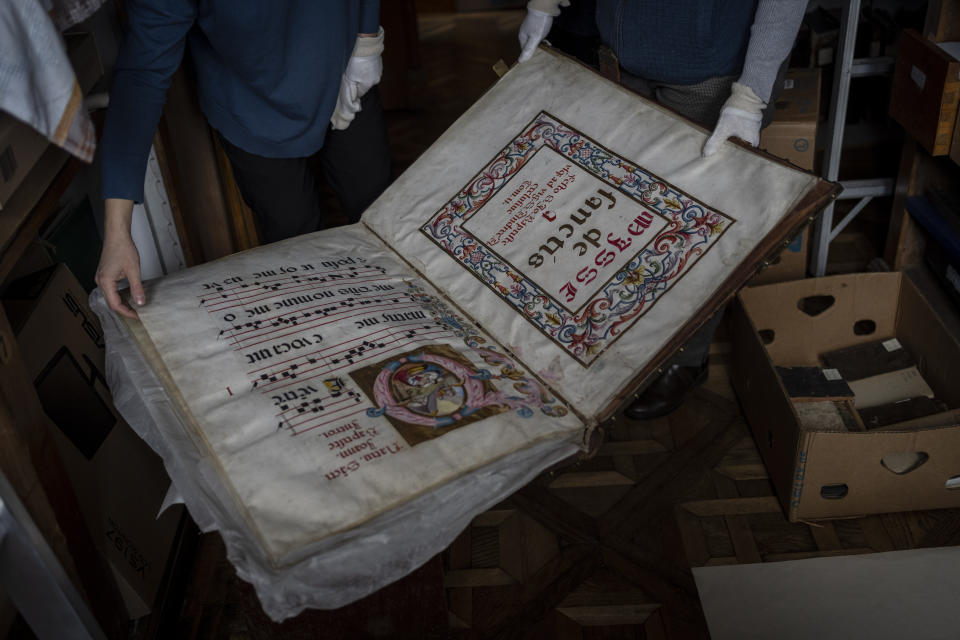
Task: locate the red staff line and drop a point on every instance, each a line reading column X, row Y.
column 390, row 331
column 291, row 276
column 315, row 324
column 305, row 286
column 319, row 322
column 310, row 281
column 281, row 315
column 254, row 283
column 325, row 316
column 355, row 361
column 245, row 301
column 322, row 401
column 314, row 416
column 271, row 292
column 323, row 424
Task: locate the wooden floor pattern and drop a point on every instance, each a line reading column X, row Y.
column 600, row 549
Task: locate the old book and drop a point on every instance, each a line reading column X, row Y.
column 339, row 405
column 814, row 383
column 893, row 386
column 884, row 415
column 869, row 359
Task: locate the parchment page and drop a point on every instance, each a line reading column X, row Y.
column 330, row 384
column 579, row 223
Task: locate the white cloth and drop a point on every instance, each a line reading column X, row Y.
column 37, row 82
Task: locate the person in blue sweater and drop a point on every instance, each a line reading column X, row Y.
column 719, row 63
column 278, row 82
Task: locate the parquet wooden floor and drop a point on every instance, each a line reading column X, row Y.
column 600, row 549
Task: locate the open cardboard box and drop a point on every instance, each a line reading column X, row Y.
column 819, row 474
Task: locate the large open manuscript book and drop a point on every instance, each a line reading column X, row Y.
column 339, row 405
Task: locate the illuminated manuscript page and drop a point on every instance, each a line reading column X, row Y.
column 579, row 224
column 331, row 384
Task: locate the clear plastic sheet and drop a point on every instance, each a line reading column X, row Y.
column 341, row 568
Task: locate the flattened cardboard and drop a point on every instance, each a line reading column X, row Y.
column 808, row 467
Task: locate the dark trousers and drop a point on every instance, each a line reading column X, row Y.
column 284, row 193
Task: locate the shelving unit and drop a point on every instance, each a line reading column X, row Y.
column 846, row 69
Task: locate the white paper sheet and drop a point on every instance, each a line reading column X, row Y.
column 876, row 596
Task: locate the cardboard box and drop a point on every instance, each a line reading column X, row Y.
column 789, row 264
column 926, row 92
column 792, row 136
column 793, row 133
column 120, row 483
column 820, row 474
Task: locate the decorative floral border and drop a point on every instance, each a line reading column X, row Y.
column 693, row 229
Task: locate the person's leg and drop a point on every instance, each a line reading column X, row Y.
column 688, row 368
column 356, row 161
column 281, row 192
column 699, row 102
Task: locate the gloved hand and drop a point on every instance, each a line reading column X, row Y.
column 536, row 24
column 741, row 116
column 363, row 72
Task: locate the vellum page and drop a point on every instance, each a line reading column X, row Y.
column 579, row 223
column 331, row 384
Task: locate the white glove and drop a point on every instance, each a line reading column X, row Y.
column 363, row 72
column 741, row 116
column 534, row 28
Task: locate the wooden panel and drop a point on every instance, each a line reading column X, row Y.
column 943, row 20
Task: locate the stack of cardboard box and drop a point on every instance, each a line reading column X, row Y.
column 792, row 136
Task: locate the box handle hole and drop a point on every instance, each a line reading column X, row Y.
column 904, row 462
column 864, row 327
column 815, row 305
column 953, row 483
column 833, row 491
column 767, row 335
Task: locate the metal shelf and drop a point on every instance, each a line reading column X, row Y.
column 824, row 231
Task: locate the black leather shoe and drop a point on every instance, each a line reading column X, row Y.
column 667, row 392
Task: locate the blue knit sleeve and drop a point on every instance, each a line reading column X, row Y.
column 369, row 16
column 151, row 52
